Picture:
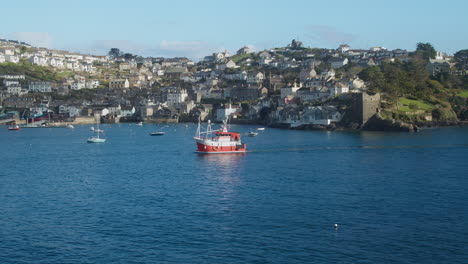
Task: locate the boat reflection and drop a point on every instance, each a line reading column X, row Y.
column 222, row 164
column 223, row 178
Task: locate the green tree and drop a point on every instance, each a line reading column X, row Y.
column 426, row 50
column 114, row 53
column 374, row 77
column 461, row 59
column 128, row 56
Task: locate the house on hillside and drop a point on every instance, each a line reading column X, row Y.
column 227, row 111
column 244, row 50
column 320, row 115
column 176, row 96
column 255, row 78
column 119, row 84
column 290, row 90
column 435, row 66
column 343, row 48
column 127, row 111
column 307, row 74
column 338, row 62
column 42, row 87
column 337, row 88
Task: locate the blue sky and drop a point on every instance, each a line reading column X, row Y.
column 198, row 28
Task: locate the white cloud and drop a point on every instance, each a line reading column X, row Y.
column 37, row 39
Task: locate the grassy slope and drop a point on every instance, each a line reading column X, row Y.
column 464, row 94
column 404, row 104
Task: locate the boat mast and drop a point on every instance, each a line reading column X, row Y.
column 198, row 134
column 208, row 130
column 97, row 124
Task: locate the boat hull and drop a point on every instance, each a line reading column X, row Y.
column 210, row 149
column 96, row 140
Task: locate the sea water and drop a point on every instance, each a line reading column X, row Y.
column 395, row 197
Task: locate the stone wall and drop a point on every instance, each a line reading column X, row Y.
column 365, row 106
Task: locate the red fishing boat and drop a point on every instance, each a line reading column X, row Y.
column 218, row 141
column 14, row 128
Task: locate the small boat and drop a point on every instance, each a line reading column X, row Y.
column 140, row 124
column 222, row 141
column 16, row 127
column 70, row 126
column 97, row 139
column 91, row 129
column 260, row 128
column 157, row 133
column 252, row 134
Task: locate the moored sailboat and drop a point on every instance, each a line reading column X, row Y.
column 97, row 138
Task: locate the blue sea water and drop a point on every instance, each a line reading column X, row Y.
column 396, row 197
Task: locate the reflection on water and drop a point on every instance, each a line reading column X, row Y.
column 222, row 164
column 223, row 160
column 223, row 172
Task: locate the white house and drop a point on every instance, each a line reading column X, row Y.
column 2, row 58
column 356, row 84
column 177, row 96
column 223, row 113
column 69, row 64
column 236, row 76
column 230, row 65
column 119, row 84
column 43, row 87
column 338, row 88
column 92, row 84
column 289, row 90
column 127, row 111
column 320, row 115
column 8, row 50
column 56, row 63
column 77, row 85
column 38, row 60
column 337, row 62
column 69, row 110
column 255, row 78
column 14, row 90
column 10, row 82
column 12, row 58
column 306, row 74
column 343, row 48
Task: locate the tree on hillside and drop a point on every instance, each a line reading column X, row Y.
column 128, row 56
column 461, row 60
column 426, row 50
column 115, row 53
column 374, row 78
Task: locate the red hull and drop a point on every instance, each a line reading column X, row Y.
column 223, row 141
column 201, row 148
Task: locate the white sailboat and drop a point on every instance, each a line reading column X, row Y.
column 97, row 139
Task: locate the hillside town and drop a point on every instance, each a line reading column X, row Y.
column 291, row 86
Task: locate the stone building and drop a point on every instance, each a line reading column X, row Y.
column 365, row 106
